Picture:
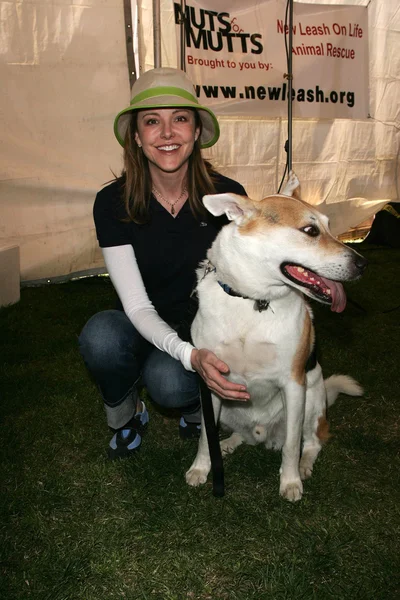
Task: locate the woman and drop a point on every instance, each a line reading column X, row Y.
column 154, row 231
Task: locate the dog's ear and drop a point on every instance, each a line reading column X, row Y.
column 237, row 208
column 292, row 186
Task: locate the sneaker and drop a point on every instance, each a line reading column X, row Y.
column 189, row 431
column 127, row 440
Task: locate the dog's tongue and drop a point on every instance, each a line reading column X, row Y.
column 338, row 295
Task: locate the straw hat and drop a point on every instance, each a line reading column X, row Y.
column 166, row 88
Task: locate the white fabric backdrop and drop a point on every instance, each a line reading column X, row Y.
column 64, row 73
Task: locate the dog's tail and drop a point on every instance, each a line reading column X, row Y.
column 341, row 384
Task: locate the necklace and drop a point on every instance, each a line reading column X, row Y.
column 172, row 204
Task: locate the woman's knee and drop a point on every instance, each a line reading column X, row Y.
column 102, row 338
column 169, row 383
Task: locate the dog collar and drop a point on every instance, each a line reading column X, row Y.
column 259, row 305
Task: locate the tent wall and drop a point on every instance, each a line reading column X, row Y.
column 64, row 72
column 64, row 68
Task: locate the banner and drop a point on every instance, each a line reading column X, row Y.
column 236, row 57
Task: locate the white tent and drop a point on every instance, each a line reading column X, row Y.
column 64, row 77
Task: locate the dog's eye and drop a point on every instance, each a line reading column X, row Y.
column 310, row 230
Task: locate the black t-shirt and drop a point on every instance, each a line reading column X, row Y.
column 168, row 250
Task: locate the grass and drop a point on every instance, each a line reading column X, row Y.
column 76, row 527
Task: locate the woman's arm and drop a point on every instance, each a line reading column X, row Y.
column 128, row 283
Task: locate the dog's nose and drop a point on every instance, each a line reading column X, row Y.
column 361, row 263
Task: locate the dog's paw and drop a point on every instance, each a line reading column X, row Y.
column 195, row 477
column 227, row 447
column 307, row 461
column 292, row 491
column 305, row 471
column 230, row 444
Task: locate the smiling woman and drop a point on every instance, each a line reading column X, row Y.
column 167, row 138
column 154, row 231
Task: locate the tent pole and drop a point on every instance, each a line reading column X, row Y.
column 290, row 85
column 157, row 33
column 130, row 55
column 183, row 35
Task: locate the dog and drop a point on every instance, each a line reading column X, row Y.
column 254, row 316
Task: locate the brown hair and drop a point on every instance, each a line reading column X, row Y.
column 136, row 178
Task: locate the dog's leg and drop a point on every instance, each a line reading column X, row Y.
column 291, row 185
column 291, row 487
column 197, row 474
column 315, row 428
column 229, row 445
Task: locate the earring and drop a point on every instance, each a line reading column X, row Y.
column 139, row 145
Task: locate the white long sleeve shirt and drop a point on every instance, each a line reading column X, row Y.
column 127, row 280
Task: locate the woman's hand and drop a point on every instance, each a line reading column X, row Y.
column 210, row 367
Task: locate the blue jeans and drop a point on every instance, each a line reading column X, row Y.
column 117, row 356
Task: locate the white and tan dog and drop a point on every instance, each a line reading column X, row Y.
column 253, row 315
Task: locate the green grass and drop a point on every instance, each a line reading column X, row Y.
column 76, row 527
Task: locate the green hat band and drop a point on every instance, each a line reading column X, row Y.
column 164, row 91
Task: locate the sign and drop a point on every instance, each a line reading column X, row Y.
column 236, row 57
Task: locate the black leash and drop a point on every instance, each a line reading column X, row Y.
column 217, row 467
